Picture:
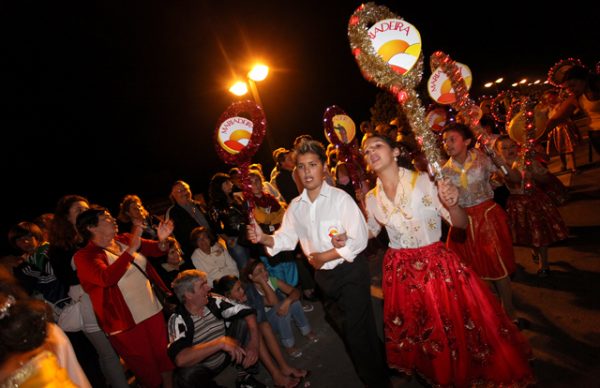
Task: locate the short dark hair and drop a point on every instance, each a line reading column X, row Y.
column 312, row 146
column 462, row 129
column 224, row 285
column 23, row 229
column 88, row 218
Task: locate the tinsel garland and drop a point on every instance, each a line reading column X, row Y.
column 498, row 101
column 527, row 149
column 376, row 70
column 242, row 158
column 558, row 68
column 348, row 152
column 469, row 110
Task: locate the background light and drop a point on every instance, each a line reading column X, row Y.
column 488, row 85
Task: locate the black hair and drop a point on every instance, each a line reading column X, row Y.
column 23, row 325
column 88, row 218
column 23, row 229
column 461, row 129
column 225, row 284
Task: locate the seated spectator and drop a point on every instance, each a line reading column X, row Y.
column 207, row 332
column 210, row 256
column 270, row 355
column 282, row 305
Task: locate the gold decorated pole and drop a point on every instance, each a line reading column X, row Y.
column 392, row 74
column 463, row 103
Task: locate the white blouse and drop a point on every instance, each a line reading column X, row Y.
column 136, row 289
column 216, row 264
column 412, row 219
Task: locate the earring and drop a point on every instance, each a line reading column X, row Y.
column 395, row 158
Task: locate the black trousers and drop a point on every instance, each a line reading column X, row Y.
column 346, row 293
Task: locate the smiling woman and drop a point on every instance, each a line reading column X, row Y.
column 122, row 297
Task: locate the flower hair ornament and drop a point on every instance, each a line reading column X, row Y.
column 8, row 303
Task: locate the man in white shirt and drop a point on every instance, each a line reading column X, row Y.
column 313, row 219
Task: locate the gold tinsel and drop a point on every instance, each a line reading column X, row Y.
column 376, row 70
column 463, row 103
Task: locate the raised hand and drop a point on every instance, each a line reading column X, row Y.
column 447, row 192
column 164, row 230
column 136, row 239
column 255, row 233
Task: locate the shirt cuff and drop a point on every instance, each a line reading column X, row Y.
column 346, row 253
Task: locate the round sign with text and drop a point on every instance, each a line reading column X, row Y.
column 440, row 88
column 234, row 134
column 397, row 42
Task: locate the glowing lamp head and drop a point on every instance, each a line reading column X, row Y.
column 258, row 73
column 239, row 88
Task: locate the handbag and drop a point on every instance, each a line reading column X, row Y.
column 67, row 314
column 164, row 297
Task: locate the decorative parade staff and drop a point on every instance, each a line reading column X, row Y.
column 340, row 131
column 389, row 54
column 240, row 131
column 441, row 63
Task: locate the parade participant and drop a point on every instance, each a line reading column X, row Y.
column 534, row 220
column 441, row 321
column 485, row 245
column 342, row 274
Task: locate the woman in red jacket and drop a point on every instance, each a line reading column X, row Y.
column 110, row 270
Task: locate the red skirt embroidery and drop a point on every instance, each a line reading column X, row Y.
column 486, row 244
column 442, row 322
column 534, row 220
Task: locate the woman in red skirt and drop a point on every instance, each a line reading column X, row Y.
column 441, row 321
column 486, row 244
column 534, row 220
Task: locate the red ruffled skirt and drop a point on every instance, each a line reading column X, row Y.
column 555, row 189
column 534, row 220
column 442, row 322
column 486, row 244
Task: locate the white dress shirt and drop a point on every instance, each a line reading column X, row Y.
column 314, row 223
column 412, row 219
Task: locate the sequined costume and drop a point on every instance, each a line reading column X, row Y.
column 486, row 244
column 441, row 321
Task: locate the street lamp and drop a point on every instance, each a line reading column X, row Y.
column 258, row 73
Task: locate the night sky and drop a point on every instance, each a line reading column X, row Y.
column 105, row 98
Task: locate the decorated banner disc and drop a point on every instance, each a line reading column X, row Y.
column 397, row 42
column 516, row 127
column 440, row 88
column 343, row 127
column 556, row 74
column 437, row 118
column 234, row 134
column 240, row 131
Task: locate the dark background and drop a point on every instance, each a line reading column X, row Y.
column 104, row 98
